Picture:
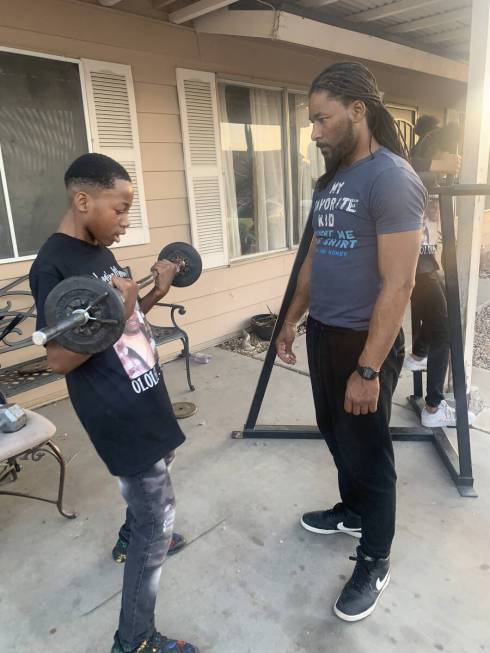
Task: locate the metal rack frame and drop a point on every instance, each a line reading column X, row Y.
column 456, row 460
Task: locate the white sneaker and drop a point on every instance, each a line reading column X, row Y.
column 414, row 364
column 444, row 416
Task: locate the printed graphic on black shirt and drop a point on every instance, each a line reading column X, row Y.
column 136, row 348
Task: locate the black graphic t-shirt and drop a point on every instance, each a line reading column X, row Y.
column 119, row 395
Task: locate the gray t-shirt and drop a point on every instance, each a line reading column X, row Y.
column 380, row 194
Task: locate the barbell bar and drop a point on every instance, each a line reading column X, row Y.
column 86, row 315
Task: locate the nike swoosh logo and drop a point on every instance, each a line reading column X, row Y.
column 381, row 583
column 341, row 527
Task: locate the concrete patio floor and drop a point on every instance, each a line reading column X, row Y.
column 252, row 579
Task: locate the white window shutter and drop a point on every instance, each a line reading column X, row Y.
column 202, row 154
column 111, row 109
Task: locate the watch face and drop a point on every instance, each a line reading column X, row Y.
column 367, row 373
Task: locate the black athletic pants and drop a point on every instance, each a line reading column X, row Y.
column 361, row 445
column 429, row 308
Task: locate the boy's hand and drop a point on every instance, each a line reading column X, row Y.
column 169, row 458
column 164, row 272
column 129, row 291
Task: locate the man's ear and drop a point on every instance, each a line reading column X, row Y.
column 357, row 110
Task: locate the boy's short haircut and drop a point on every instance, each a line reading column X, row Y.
column 95, row 170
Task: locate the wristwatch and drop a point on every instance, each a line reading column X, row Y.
column 367, row 373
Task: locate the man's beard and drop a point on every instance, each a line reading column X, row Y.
column 336, row 155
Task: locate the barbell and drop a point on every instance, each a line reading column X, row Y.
column 86, row 315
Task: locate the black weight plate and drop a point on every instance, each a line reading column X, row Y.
column 80, row 292
column 183, row 409
column 191, row 272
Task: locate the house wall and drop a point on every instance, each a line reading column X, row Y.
column 222, row 301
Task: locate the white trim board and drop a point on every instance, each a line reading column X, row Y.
column 282, row 26
column 39, row 55
column 8, row 206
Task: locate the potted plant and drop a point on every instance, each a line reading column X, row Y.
column 263, row 324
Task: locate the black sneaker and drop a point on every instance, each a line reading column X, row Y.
column 361, row 593
column 119, row 551
column 338, row 519
column 158, row 644
column 177, row 543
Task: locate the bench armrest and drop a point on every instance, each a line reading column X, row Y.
column 173, row 308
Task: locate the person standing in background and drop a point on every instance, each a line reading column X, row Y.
column 435, row 158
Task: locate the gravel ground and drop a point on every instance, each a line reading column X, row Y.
column 246, row 343
column 249, row 344
column 485, row 268
column 481, row 349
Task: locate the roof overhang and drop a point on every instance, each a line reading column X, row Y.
column 289, row 28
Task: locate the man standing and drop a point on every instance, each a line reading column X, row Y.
column 356, row 282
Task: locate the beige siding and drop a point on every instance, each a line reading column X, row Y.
column 169, row 212
column 223, row 300
column 164, row 185
column 156, row 99
column 159, row 128
column 162, row 157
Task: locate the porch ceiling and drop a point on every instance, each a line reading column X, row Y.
column 440, row 27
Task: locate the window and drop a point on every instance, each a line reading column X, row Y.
column 6, row 249
column 307, row 163
column 253, row 163
column 250, row 165
column 43, row 128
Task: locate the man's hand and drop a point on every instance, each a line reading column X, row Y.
column 164, row 272
column 129, row 291
column 361, row 396
column 284, row 344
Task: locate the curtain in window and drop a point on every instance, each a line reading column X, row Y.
column 307, row 161
column 234, row 244
column 268, row 175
